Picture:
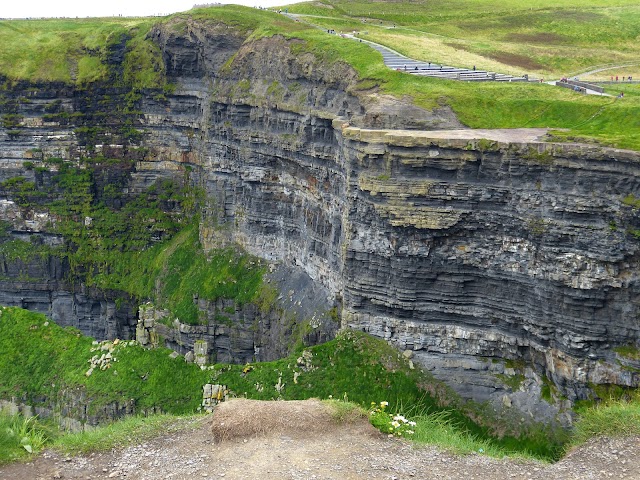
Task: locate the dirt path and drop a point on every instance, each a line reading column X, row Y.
column 349, row 452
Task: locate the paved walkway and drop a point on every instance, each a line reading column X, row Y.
column 397, row 61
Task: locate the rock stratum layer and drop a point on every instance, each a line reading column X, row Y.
column 508, row 268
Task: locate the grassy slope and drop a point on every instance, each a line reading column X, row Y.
column 40, row 359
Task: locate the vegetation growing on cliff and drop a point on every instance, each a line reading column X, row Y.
column 145, row 244
column 42, row 361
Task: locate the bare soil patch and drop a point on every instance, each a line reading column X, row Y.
column 241, row 418
column 544, row 38
column 506, row 58
column 515, row 59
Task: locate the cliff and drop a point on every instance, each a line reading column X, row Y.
column 508, row 268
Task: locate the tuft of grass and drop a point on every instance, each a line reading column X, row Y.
column 129, row 431
column 345, row 411
column 441, row 430
column 628, row 351
column 20, row 436
column 613, row 418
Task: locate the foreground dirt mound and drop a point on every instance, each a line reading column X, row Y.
column 241, row 418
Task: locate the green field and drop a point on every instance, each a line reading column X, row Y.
column 76, row 50
column 546, row 38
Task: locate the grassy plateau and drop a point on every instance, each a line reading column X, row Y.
column 548, row 39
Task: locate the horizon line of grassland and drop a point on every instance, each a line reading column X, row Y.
column 39, row 360
column 571, row 116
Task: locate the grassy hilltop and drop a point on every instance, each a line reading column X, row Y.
column 548, row 40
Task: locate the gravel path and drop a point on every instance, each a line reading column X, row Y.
column 343, row 453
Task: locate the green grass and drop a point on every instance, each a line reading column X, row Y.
column 42, row 360
column 612, row 418
column 20, row 436
column 76, row 50
column 129, row 431
column 628, row 351
column 439, row 429
column 173, row 272
column 550, row 37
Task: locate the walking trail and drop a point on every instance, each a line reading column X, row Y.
column 353, row 451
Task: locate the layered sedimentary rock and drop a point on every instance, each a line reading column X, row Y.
column 491, row 260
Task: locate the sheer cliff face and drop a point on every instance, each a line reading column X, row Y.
column 488, row 260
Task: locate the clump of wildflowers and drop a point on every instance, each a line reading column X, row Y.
column 394, row 425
